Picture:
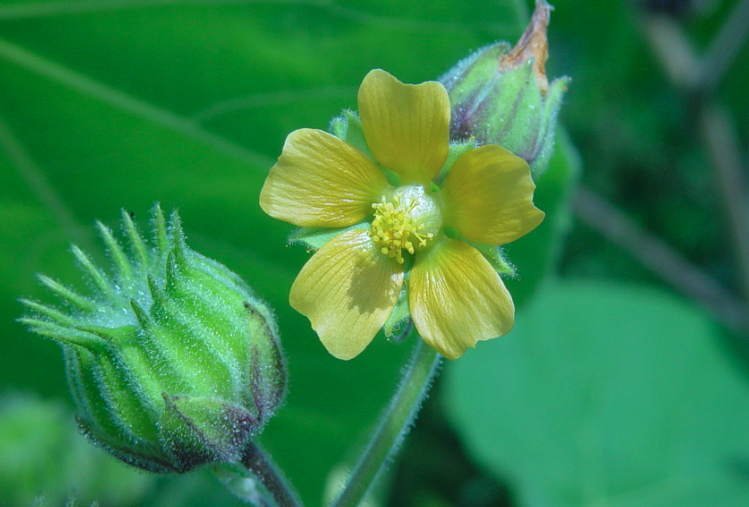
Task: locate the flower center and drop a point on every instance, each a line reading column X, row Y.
column 405, row 221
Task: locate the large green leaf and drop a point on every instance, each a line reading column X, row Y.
column 607, row 394
column 110, row 104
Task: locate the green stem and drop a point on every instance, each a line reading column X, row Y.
column 724, row 148
column 257, row 480
column 394, row 424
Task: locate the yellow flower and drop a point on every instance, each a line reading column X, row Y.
column 350, row 286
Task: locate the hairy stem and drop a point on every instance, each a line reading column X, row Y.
column 258, row 481
column 394, row 424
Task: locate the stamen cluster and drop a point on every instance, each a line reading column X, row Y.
column 393, row 226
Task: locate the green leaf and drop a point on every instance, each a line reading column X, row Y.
column 110, row 105
column 607, row 394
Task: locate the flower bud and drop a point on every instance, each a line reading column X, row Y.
column 172, row 362
column 504, row 98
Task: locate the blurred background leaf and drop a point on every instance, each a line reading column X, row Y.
column 42, row 456
column 607, row 394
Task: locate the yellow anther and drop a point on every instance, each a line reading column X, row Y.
column 393, row 225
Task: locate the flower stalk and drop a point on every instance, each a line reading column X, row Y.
column 394, row 424
column 257, row 480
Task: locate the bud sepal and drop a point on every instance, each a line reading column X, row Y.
column 502, row 96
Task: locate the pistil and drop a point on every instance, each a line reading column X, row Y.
column 399, row 223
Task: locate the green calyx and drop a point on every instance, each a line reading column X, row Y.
column 173, row 362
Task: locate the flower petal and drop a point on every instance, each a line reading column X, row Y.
column 457, row 298
column 407, row 127
column 488, row 196
column 321, row 181
column 347, row 290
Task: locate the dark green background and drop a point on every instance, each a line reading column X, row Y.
column 109, row 104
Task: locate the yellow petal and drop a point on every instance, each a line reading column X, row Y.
column 488, row 196
column 457, row 298
column 321, row 181
column 347, row 290
column 407, row 127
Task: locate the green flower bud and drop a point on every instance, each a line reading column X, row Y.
column 501, row 97
column 173, row 362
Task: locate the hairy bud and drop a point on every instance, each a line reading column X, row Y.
column 502, row 96
column 173, row 362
